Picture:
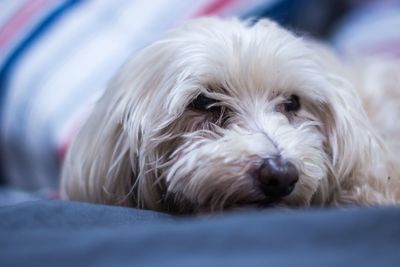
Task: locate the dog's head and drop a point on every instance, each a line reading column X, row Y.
column 220, row 114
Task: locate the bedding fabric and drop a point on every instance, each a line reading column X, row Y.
column 56, row 233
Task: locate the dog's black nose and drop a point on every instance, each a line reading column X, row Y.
column 277, row 177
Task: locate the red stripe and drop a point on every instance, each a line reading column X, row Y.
column 214, row 7
column 72, row 131
column 21, row 18
column 62, row 149
column 66, row 142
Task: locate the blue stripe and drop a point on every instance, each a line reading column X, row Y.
column 19, row 52
column 42, row 27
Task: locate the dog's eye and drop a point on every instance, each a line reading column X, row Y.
column 204, row 103
column 292, row 104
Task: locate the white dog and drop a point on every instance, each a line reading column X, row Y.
column 221, row 114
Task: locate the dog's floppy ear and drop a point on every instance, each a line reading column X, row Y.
column 107, row 161
column 359, row 158
column 98, row 165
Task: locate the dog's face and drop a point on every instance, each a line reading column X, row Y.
column 240, row 125
column 219, row 115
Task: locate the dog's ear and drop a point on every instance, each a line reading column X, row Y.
column 108, row 161
column 98, row 166
column 359, row 157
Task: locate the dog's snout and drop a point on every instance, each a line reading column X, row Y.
column 277, row 177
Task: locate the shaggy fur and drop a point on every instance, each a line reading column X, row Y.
column 146, row 144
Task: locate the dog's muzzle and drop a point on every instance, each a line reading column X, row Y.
column 277, row 177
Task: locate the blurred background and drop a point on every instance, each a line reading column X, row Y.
column 57, row 56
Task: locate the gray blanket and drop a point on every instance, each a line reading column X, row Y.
column 56, row 233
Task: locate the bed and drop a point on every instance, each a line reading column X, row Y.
column 64, row 233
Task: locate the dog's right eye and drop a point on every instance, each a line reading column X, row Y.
column 204, row 103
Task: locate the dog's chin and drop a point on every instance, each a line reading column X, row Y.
column 178, row 204
column 265, row 204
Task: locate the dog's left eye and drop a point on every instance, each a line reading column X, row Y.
column 204, row 103
column 292, row 104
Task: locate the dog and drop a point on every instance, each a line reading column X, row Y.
column 223, row 114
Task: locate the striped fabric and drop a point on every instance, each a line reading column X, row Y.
column 372, row 29
column 56, row 57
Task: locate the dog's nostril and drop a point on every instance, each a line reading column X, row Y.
column 277, row 177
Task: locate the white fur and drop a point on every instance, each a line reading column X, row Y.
column 143, row 147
